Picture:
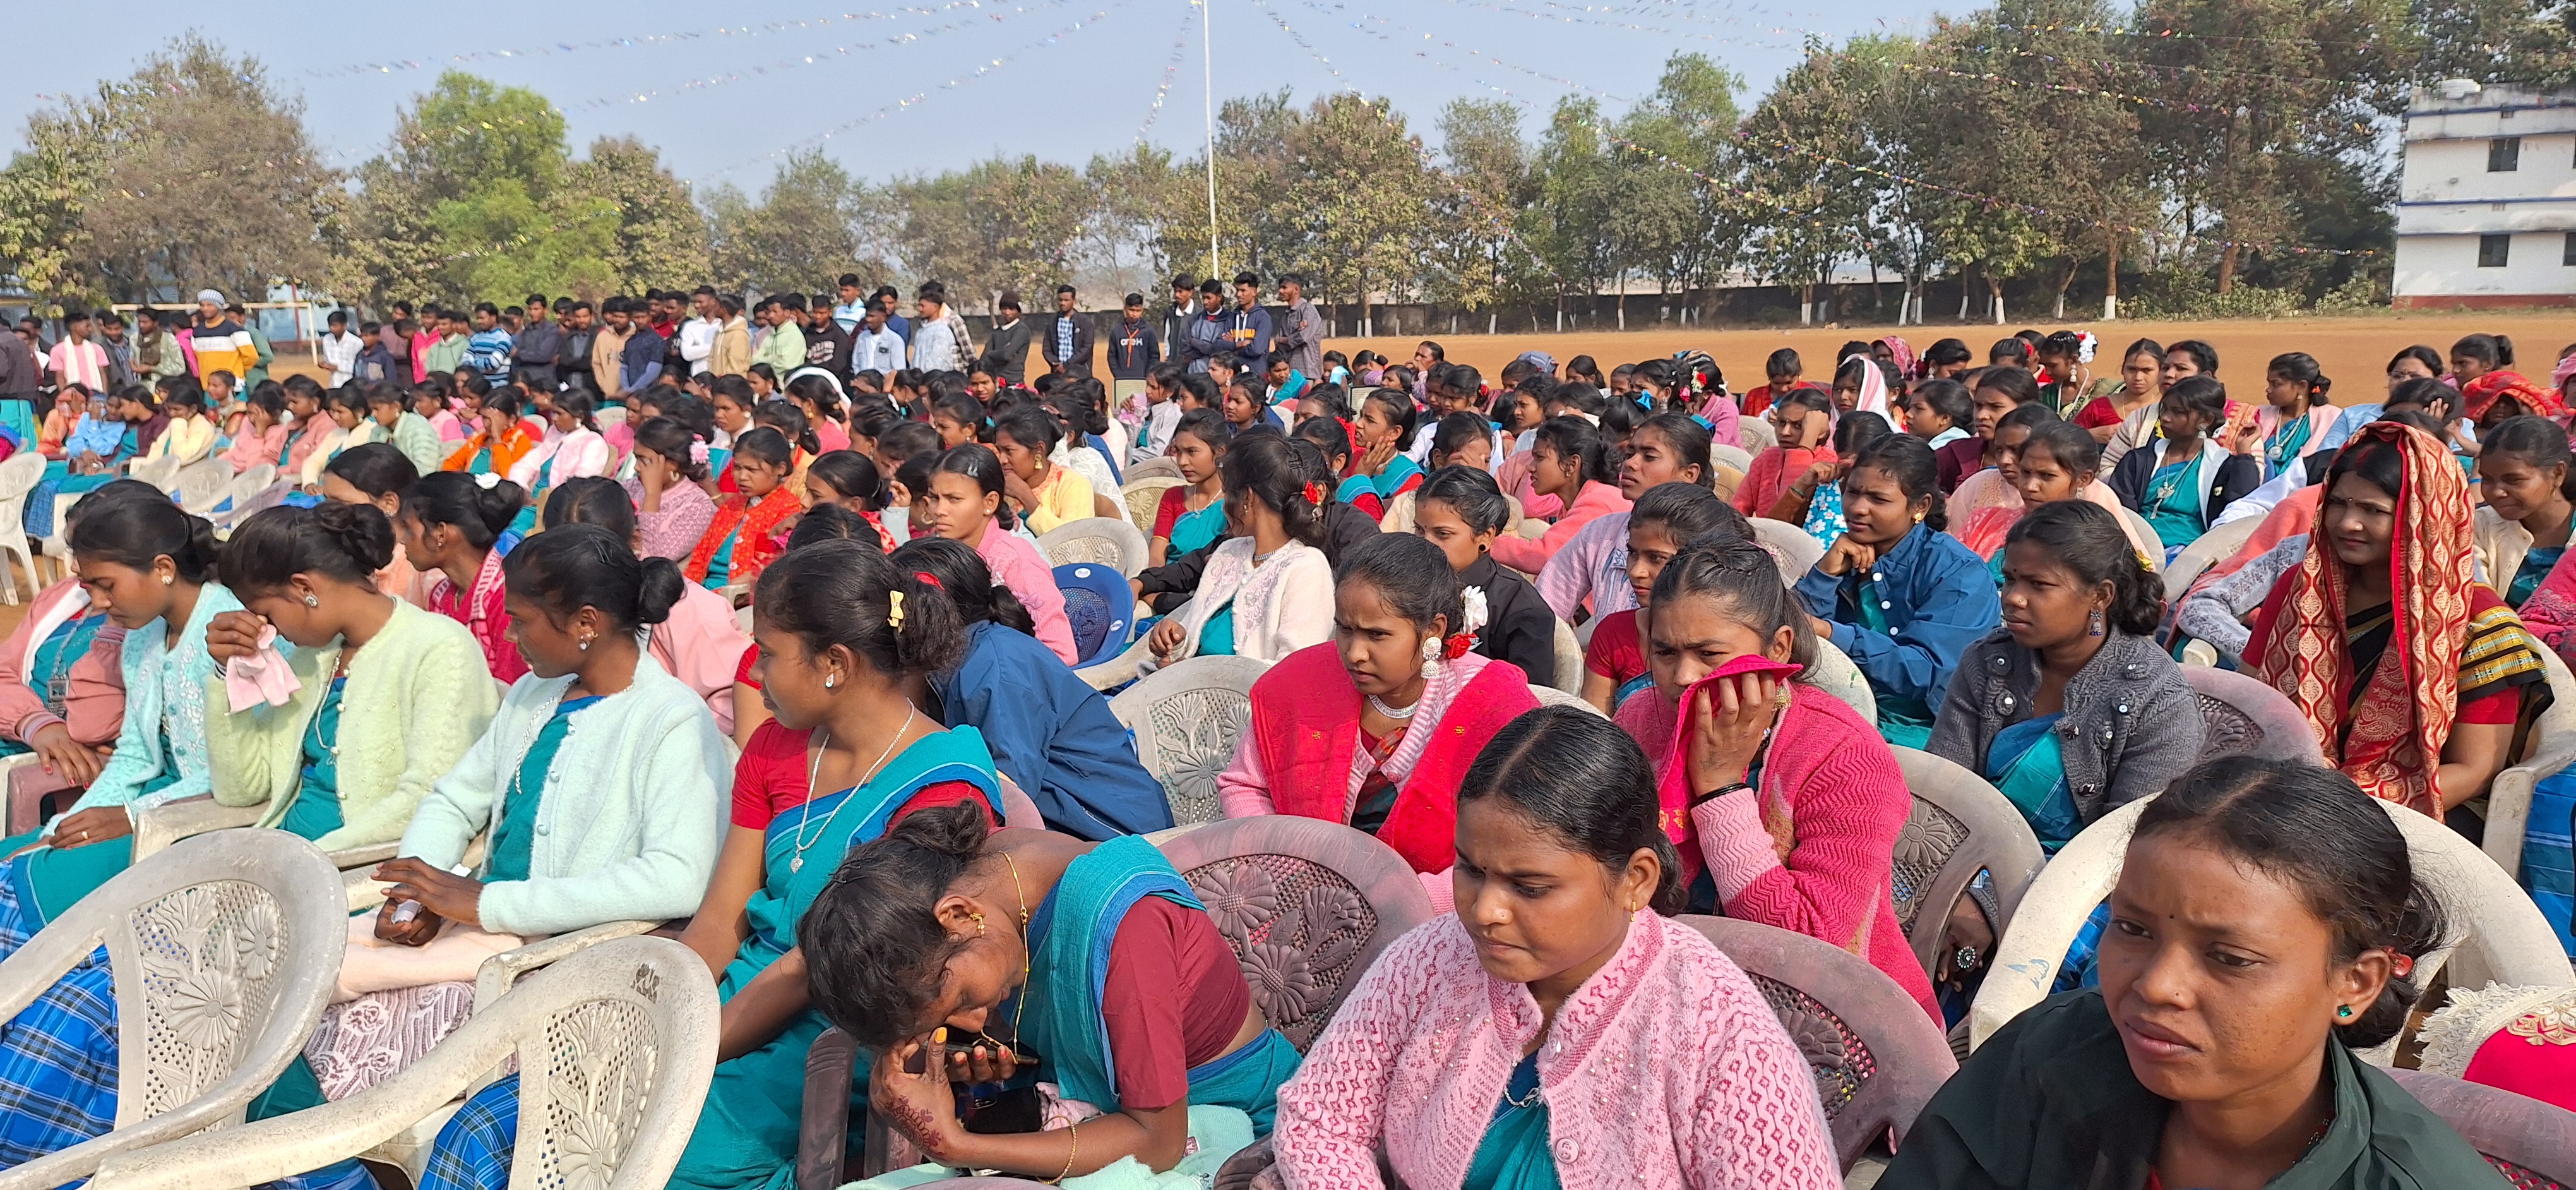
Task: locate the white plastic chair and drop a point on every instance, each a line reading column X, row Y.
column 1099, row 540
column 616, row 1048
column 1756, row 434
column 1569, row 662
column 2209, row 550
column 2552, row 747
column 2500, row 935
column 1186, row 719
column 1794, row 548
column 1144, row 497
column 162, row 472
column 1732, row 456
column 1550, row 696
column 1152, row 468
column 224, row 950
column 202, row 484
column 18, row 476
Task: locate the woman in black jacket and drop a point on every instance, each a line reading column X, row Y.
column 1461, row 510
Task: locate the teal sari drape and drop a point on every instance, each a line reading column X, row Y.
column 2027, row 765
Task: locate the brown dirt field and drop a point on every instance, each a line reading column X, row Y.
column 2353, row 351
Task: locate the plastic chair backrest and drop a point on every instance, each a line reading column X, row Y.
column 1550, row 696
column 1144, row 498
column 1186, row 719
column 1794, row 548
column 223, row 951
column 1877, row 1057
column 1757, row 434
column 162, row 473
column 1306, row 904
column 1569, row 662
column 202, row 483
column 2533, row 1144
column 1834, row 673
column 21, row 474
column 1158, row 467
column 1106, row 541
column 1100, row 607
column 2552, row 747
column 2240, row 716
column 1959, row 825
column 2145, row 531
column 2500, row 937
column 1733, row 456
column 2212, row 548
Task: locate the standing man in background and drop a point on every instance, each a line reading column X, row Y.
column 1248, row 326
column 939, row 339
column 1068, row 340
column 875, row 347
column 884, row 298
column 535, row 346
column 783, row 348
column 698, row 335
column 852, row 309
column 340, row 349
column 573, row 354
column 1301, row 331
column 156, row 350
column 1176, row 321
column 120, row 350
column 77, row 360
column 223, row 345
column 608, row 347
column 1007, row 352
column 259, row 346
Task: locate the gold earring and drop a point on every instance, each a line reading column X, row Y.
column 979, row 924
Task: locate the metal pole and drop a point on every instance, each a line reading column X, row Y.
column 1207, row 65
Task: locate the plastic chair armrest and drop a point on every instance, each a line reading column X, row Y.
column 493, row 979
column 160, row 826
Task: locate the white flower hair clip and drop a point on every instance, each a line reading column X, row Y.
column 2086, row 343
column 487, row 481
column 1477, row 614
column 697, row 452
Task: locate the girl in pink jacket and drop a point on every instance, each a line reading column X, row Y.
column 1558, row 1029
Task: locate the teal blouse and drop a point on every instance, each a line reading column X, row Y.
column 2536, row 565
column 2173, row 499
column 316, row 809
column 514, row 836
column 1514, row 1154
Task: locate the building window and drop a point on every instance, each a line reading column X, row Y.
column 2492, row 251
column 2570, row 259
column 2504, row 154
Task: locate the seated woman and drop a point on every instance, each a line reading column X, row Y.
column 61, row 672
column 189, row 433
column 1462, row 510
column 1592, row 569
column 500, row 440
column 154, row 568
column 1803, row 421
column 749, row 525
column 1452, row 1034
column 1570, row 460
column 1785, row 805
column 943, row 928
column 2432, row 723
column 375, row 473
column 962, row 501
column 1375, row 727
column 672, row 510
column 451, row 526
column 1815, row 501
column 1192, row 515
column 262, row 437
column 1267, row 591
column 610, row 818
column 848, row 480
column 700, row 642
column 2181, row 481
column 1383, row 471
column 392, row 409
column 2295, row 416
column 2261, row 929
column 1045, row 494
column 1049, row 731
column 2057, row 461
column 1667, row 517
column 2112, row 405
column 1897, row 595
column 345, row 409
column 1982, row 509
column 2521, row 531
column 2071, row 709
column 573, row 448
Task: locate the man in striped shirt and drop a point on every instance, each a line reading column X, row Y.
column 222, row 344
column 77, row 360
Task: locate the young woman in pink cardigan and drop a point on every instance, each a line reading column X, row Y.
column 1569, row 459
column 1558, row 1029
column 1785, row 804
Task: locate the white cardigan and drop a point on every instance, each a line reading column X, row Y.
column 629, row 822
column 1280, row 606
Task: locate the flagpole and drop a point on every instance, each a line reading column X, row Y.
column 1207, row 65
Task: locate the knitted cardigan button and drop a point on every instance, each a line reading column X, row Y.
column 1569, row 1152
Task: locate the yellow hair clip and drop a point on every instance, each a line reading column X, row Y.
column 894, row 609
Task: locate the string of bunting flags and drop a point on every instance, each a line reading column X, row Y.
column 1171, row 69
column 839, row 53
column 2069, row 89
column 639, row 41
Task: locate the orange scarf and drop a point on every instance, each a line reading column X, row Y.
column 2389, row 738
column 506, row 454
column 752, row 548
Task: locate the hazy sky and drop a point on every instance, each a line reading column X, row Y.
column 726, row 89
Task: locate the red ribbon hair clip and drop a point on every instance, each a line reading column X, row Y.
column 1314, row 494
column 928, row 579
column 1457, row 645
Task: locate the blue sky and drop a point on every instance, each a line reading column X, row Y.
column 726, row 89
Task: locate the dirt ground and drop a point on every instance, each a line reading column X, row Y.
column 2354, row 352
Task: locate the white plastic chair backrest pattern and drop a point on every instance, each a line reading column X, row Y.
column 2498, row 934
column 1550, row 696
column 1794, row 548
column 1144, row 497
column 223, row 951
column 1101, row 541
column 1569, row 662
column 1187, row 719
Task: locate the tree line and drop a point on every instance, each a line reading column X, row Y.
column 2186, row 156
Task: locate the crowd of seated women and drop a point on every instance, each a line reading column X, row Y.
column 532, row 648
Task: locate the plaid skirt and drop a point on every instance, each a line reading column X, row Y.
column 473, row 1150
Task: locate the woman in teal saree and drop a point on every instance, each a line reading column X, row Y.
column 1023, row 958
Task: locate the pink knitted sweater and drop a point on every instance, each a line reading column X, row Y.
column 1666, row 1070
column 1813, row 850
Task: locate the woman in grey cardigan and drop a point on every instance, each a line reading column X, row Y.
column 2071, row 709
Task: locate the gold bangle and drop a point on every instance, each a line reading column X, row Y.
column 1072, row 1134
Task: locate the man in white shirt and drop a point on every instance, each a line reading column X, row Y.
column 76, row 360
column 698, row 335
column 939, row 340
column 875, row 346
column 853, row 306
column 340, row 349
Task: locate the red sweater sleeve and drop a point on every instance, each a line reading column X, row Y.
column 1847, row 810
column 1173, row 998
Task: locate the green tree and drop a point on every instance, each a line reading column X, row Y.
column 660, row 241
column 1349, row 209
column 1471, row 255
column 1578, row 179
column 801, row 235
column 1668, row 224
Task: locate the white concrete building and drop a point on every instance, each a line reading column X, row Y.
column 2486, row 211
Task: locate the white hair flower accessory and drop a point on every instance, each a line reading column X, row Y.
column 2086, row 344
column 487, row 481
column 1476, row 615
column 697, row 452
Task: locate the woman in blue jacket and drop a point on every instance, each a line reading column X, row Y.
column 1897, row 594
column 1050, row 732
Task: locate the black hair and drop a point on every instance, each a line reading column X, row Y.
column 2147, row 347
column 1741, row 575
column 962, row 578
column 2427, row 392
column 572, row 566
column 2026, row 417
column 1683, row 435
column 1411, row 574
column 766, row 445
column 842, row 593
column 1083, row 404
column 674, row 442
column 961, row 408
column 1855, row 367
column 1949, row 398
column 2070, row 445
column 2431, row 359
column 1909, row 461
column 1455, row 432
column 874, row 944
column 108, row 497
column 2013, row 382
column 815, row 388
column 789, row 421
column 2535, row 439
column 592, row 500
column 1947, row 352
column 2202, row 355
column 1581, row 398
column 1031, row 427
column 1398, row 410
column 2377, row 460
column 1335, row 399
column 1857, row 429
column 2312, row 829
column 505, row 399
column 147, row 530
column 977, row 462
column 850, row 473
column 1687, row 513
column 1817, row 399
column 352, row 397
column 1783, row 362
column 1577, row 439
column 1471, row 492
column 1265, row 467
column 577, row 402
column 2013, row 352
column 456, row 498
column 830, row 522
column 906, row 439
column 731, row 388
column 1325, row 433
column 2404, row 417
column 1582, row 779
column 376, row 468
column 345, row 542
column 2203, row 395
column 2299, row 367
column 268, row 397
column 2089, row 541
column 2495, row 351
column 1211, row 427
